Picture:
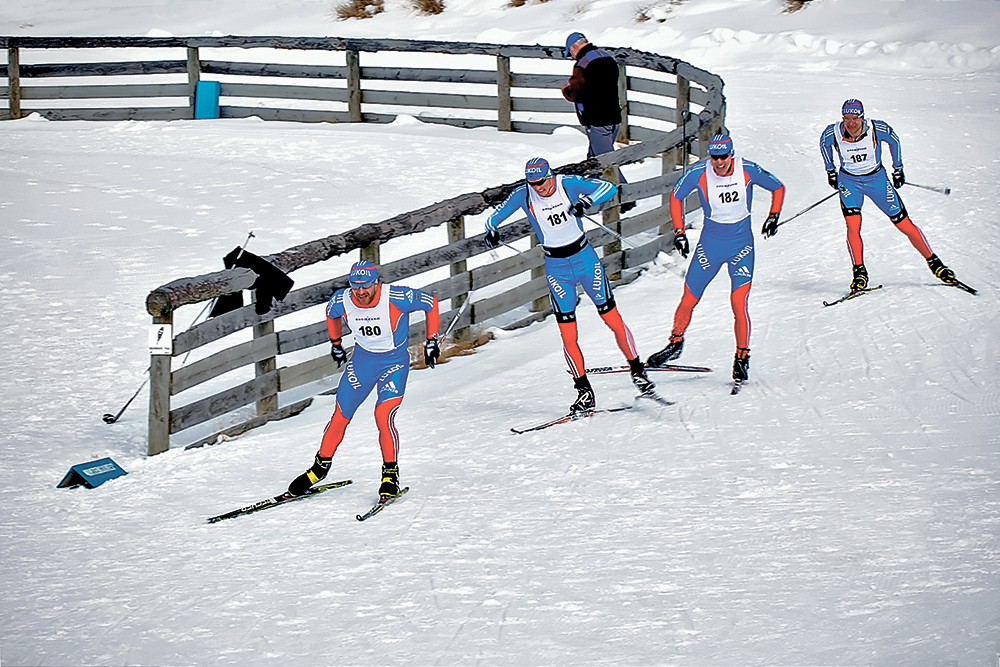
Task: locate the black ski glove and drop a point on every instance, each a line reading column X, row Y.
column 492, row 238
column 432, row 352
column 770, row 227
column 681, row 243
column 581, row 205
column 338, row 352
column 898, row 179
column 831, row 178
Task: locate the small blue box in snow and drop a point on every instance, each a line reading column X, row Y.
column 91, row 474
column 206, row 99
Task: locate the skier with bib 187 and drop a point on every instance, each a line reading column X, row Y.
column 378, row 316
column 554, row 205
column 724, row 184
column 858, row 144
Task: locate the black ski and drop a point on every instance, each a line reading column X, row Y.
column 572, row 416
column 601, row 370
column 962, row 286
column 737, row 385
column 852, row 295
column 268, row 503
column 382, row 504
column 653, row 396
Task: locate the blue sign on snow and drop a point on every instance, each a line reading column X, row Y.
column 91, row 474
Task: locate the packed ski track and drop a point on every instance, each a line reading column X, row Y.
column 842, row 509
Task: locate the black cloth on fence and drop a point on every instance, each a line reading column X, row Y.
column 272, row 282
column 227, row 302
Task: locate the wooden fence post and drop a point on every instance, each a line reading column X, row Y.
column 623, row 133
column 14, row 82
column 159, row 397
column 268, row 404
column 194, row 75
column 456, row 232
column 504, row 103
column 354, row 86
column 676, row 158
column 612, row 220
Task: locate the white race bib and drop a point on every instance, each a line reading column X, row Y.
column 371, row 326
column 727, row 194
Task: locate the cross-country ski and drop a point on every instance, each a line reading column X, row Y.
column 269, row 503
column 382, row 504
column 852, row 295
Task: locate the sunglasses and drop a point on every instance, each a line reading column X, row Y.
column 365, row 286
column 539, row 182
column 722, row 157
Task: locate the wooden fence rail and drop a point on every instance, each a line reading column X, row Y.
column 660, row 123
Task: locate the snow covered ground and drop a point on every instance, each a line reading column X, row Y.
column 844, row 509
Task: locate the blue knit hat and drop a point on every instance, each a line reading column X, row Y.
column 536, row 169
column 853, row 107
column 720, row 144
column 363, row 274
column 573, row 38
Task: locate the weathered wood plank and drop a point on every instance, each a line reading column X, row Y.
column 218, row 404
column 290, row 377
column 13, row 90
column 521, row 295
column 545, row 81
column 300, row 338
column 131, row 113
column 283, row 413
column 223, row 361
column 447, row 100
column 104, row 91
column 284, row 92
column 667, row 89
column 429, row 74
column 286, row 115
column 541, row 104
column 655, row 111
column 336, row 72
column 103, row 69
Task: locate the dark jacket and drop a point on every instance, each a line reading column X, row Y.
column 593, row 87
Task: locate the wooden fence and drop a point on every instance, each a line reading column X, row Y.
column 673, row 109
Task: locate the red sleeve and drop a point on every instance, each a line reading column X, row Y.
column 335, row 327
column 777, row 199
column 571, row 89
column 433, row 319
column 676, row 213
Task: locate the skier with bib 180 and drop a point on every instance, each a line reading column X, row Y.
column 724, row 184
column 858, row 144
column 378, row 315
column 554, row 205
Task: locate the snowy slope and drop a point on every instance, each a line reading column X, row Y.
column 842, row 510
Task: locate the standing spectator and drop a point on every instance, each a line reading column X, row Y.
column 858, row 144
column 593, row 90
column 725, row 187
column 379, row 318
column 554, row 205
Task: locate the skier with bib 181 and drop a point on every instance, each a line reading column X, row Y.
column 554, row 205
column 378, row 315
column 724, row 184
column 858, row 144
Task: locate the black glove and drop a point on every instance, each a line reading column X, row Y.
column 432, row 352
column 492, row 238
column 681, row 243
column 338, row 352
column 898, row 179
column 770, row 227
column 831, row 178
column 581, row 205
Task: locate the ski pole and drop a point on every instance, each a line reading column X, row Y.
column 110, row 418
column 613, row 233
column 458, row 315
column 809, row 208
column 944, row 191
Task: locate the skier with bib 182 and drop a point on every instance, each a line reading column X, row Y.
column 724, row 184
column 858, row 144
column 378, row 315
column 554, row 205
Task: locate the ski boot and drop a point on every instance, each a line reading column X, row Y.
column 585, row 401
column 860, row 278
column 639, row 379
column 390, row 482
column 318, row 471
column 667, row 354
column 938, row 268
column 741, row 364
